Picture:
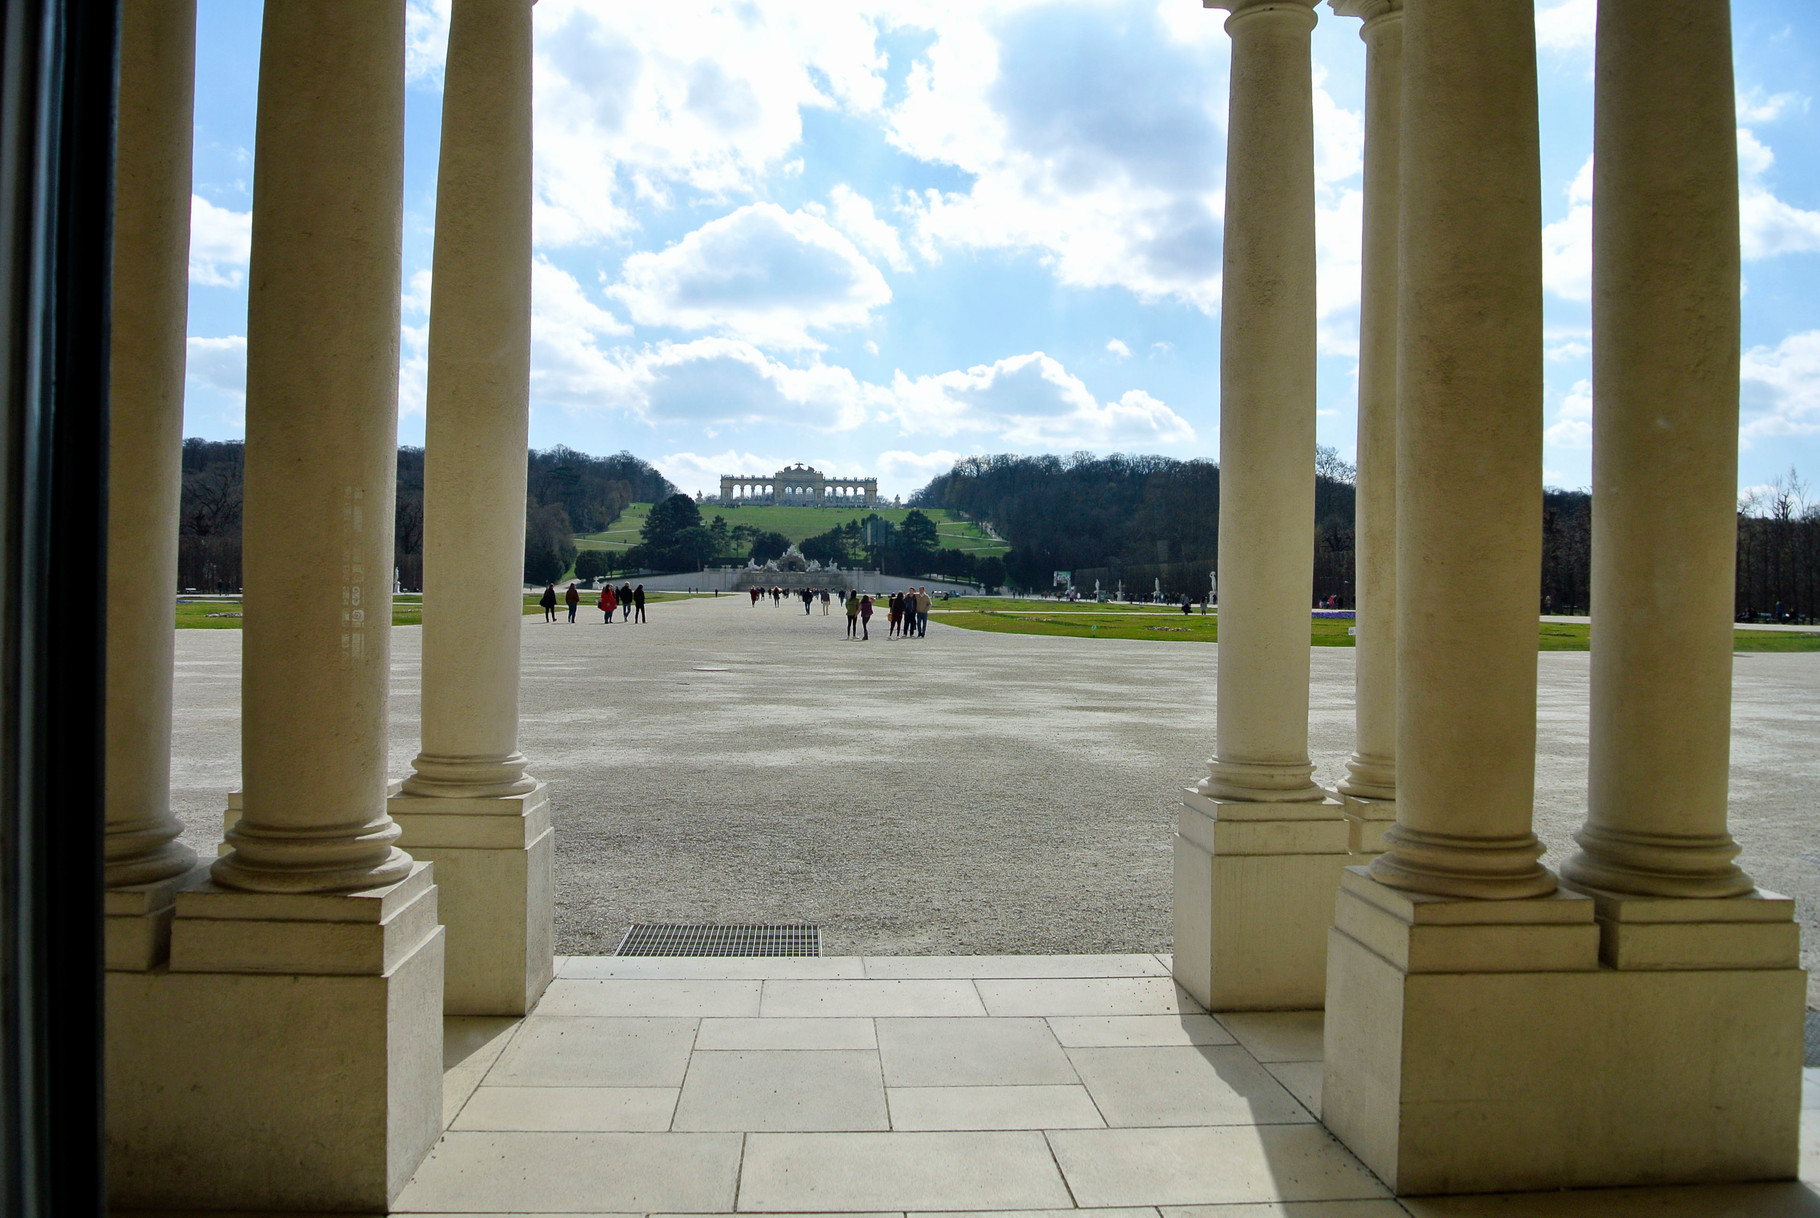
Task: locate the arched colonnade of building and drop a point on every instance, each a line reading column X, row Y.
column 800, row 485
column 274, row 1018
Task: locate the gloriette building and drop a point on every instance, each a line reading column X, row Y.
column 801, row 485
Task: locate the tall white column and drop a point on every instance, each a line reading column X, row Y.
column 1267, row 384
column 145, row 469
column 1459, row 975
column 290, row 1057
column 468, row 804
column 1665, row 453
column 1259, row 849
column 1369, row 789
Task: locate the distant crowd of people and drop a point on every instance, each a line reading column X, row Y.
column 624, row 599
column 907, row 611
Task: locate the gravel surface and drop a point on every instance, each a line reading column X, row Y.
column 966, row 792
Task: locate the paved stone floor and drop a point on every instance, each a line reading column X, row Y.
column 903, row 1085
column 966, row 792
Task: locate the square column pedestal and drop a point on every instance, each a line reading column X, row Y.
column 495, row 860
column 1563, row 1042
column 1254, row 891
column 289, row 1057
column 1367, row 820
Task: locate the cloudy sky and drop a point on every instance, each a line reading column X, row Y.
column 880, row 234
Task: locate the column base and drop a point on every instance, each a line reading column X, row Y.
column 289, row 1057
column 495, row 859
column 1254, row 888
column 138, row 918
column 1480, row 1046
column 1366, row 821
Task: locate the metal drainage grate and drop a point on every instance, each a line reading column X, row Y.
column 707, row 939
column 1812, row 1056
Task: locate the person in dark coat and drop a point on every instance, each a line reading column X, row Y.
column 572, row 599
column 638, row 603
column 548, row 601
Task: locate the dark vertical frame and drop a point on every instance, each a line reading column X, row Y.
column 57, row 79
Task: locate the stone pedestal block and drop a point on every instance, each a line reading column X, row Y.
column 494, row 869
column 139, row 923
column 1481, row 1046
column 289, row 1057
column 1254, row 890
column 1366, row 821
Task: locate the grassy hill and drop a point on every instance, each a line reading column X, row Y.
column 798, row 524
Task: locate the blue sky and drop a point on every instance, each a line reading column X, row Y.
column 877, row 236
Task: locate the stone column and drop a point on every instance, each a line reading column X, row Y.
column 1458, row 974
column 1260, row 848
column 468, row 804
column 145, row 470
column 1665, row 454
column 1369, row 790
column 290, row 1058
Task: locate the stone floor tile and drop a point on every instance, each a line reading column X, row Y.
column 815, row 1172
column 1783, row 1200
column 1086, row 996
column 712, row 968
column 470, row 1046
column 1184, row 1085
column 871, row 1214
column 534, row 1173
column 1810, row 1088
column 596, row 1052
column 1045, row 1107
column 821, row 999
column 1014, row 966
column 1145, row 1211
column 643, row 996
column 1382, row 1208
column 786, row 1034
column 1209, row 1165
column 1277, row 1036
column 970, row 1053
column 1137, row 1031
column 569, row 1109
column 1302, row 1080
column 783, row 1090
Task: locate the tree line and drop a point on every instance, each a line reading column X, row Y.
column 566, row 492
column 1140, row 520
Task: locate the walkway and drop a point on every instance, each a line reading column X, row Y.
column 967, row 792
column 907, row 1085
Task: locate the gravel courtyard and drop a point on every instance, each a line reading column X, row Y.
column 966, row 793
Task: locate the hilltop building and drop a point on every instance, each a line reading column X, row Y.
column 799, row 485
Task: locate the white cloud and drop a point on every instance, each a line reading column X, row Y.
column 426, row 39
column 1769, row 226
column 1567, row 25
column 1567, row 243
column 1781, row 388
column 414, row 344
column 760, row 273
column 1560, row 350
column 636, row 101
column 219, row 363
column 1118, row 348
column 1756, row 106
column 1573, row 422
column 1093, row 136
column 1031, row 400
column 901, row 467
column 221, row 241
column 701, row 472
column 855, row 216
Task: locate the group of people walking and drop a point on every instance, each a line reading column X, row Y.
column 908, row 612
column 625, row 599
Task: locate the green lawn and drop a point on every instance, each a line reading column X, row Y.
column 798, row 524
column 1132, row 622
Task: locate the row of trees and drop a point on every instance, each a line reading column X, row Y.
column 563, row 487
column 1133, row 518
